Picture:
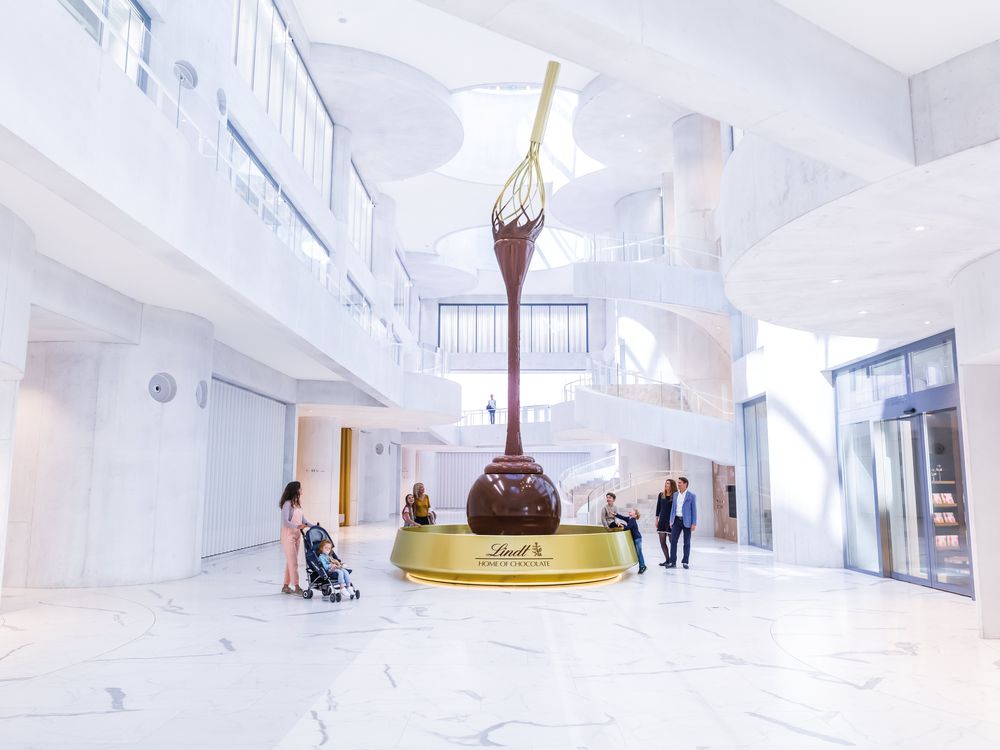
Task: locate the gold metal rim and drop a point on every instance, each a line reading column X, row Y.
column 452, row 554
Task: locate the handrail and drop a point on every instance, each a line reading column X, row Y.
column 677, row 251
column 208, row 144
column 575, row 476
column 619, row 484
column 529, row 414
column 621, row 383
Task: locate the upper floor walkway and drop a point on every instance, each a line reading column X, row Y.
column 128, row 175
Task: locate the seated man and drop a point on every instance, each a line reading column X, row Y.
column 609, row 513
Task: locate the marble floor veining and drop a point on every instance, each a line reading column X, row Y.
column 737, row 652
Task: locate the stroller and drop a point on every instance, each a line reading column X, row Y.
column 318, row 577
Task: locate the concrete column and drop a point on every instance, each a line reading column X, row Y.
column 16, row 260
column 699, row 473
column 667, row 205
column 697, row 184
column 408, row 473
column 378, row 475
column 977, row 340
column 318, row 468
column 640, row 215
column 112, row 473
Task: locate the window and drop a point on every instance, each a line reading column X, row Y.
column 359, row 216
column 758, row 474
column 932, row 367
column 127, row 27
column 360, row 306
column 547, row 329
column 857, row 462
column 401, row 288
column 918, row 367
column 266, row 57
column 254, row 184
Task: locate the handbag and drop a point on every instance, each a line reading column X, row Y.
column 432, row 516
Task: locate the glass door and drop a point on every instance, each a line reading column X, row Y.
column 950, row 555
column 758, row 474
column 899, row 474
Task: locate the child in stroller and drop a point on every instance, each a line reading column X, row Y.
column 326, row 571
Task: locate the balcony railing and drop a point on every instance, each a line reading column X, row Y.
column 621, row 383
column 675, row 251
column 199, row 123
column 529, row 414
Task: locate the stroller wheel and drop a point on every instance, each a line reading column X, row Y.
column 307, row 594
column 337, row 596
column 326, row 591
column 357, row 593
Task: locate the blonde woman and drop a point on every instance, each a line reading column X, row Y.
column 421, row 505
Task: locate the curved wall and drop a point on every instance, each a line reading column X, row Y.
column 764, row 187
column 108, row 483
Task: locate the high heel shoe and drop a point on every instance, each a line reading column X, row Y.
column 285, row 589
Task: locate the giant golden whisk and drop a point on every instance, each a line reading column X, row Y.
column 525, row 188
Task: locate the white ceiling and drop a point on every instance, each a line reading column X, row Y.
column 455, row 52
column 908, row 35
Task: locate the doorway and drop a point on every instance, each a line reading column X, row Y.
column 921, row 501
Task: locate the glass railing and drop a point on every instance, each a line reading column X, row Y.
column 576, row 483
column 422, row 358
column 621, row 383
column 630, row 490
column 529, row 414
column 201, row 125
column 675, row 251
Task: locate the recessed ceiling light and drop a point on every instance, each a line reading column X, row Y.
column 628, row 116
column 927, row 322
column 862, row 312
column 639, row 150
column 621, row 135
column 920, row 228
column 835, row 281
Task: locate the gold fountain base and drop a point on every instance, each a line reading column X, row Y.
column 451, row 553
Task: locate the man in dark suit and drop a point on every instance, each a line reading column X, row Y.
column 684, row 520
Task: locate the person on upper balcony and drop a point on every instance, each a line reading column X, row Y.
column 491, row 407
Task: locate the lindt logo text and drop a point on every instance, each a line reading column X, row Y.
column 503, row 555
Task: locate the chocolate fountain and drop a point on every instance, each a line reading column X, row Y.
column 514, row 496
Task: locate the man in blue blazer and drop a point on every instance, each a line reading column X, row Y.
column 684, row 520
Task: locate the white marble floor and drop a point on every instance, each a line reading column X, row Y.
column 736, row 652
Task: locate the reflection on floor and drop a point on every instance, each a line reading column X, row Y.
column 735, row 652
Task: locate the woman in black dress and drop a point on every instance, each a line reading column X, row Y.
column 664, row 501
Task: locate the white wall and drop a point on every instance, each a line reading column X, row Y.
column 665, row 346
column 977, row 340
column 116, row 477
column 318, row 469
column 456, row 471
